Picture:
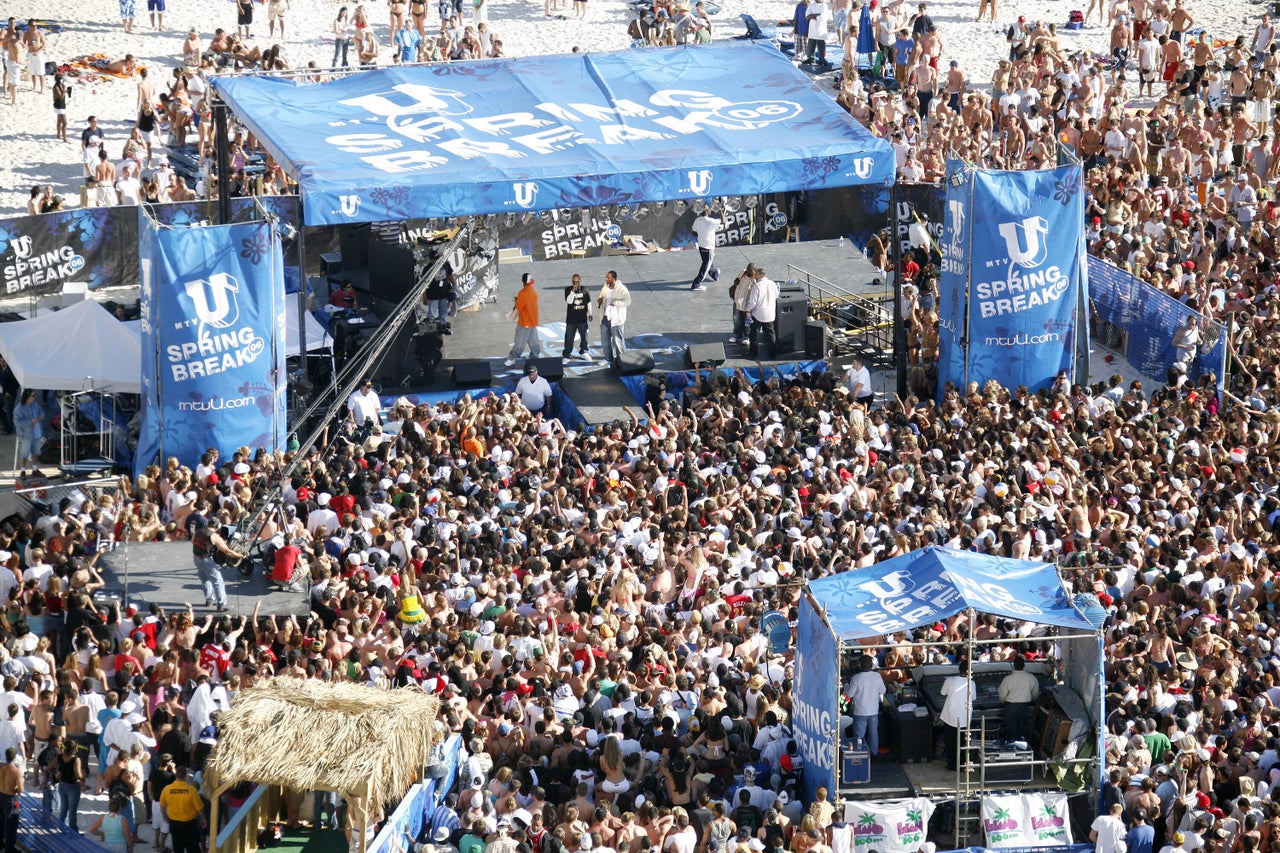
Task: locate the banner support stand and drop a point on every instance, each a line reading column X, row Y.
column 899, row 331
column 222, row 159
column 968, row 283
column 302, row 294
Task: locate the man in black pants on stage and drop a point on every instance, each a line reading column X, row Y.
column 576, row 316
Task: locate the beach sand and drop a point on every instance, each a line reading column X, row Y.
column 30, row 154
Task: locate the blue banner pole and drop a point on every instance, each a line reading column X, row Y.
column 968, row 285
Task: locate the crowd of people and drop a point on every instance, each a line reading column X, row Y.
column 587, row 603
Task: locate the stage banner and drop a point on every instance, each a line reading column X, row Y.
column 953, row 279
column 889, row 826
column 474, row 263
column 1026, row 272
column 815, row 713
column 213, row 340
column 95, row 246
column 1026, row 820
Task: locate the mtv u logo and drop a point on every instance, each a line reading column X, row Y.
column 526, row 193
column 350, row 204
column 862, row 167
column 1025, row 241
column 214, row 300
column 21, row 246
column 699, row 181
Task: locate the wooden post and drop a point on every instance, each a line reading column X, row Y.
column 213, row 822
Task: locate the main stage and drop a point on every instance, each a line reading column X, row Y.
column 665, row 317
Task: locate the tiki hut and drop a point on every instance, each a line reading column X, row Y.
column 304, row 735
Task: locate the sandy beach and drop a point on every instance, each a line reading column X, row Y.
column 30, row 154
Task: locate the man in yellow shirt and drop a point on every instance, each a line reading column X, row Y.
column 183, row 807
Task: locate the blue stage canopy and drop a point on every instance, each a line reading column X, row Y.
column 933, row 583
column 540, row 133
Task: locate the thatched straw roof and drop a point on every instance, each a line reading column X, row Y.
column 311, row 735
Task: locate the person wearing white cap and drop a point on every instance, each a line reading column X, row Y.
column 525, row 309
column 322, row 514
column 1243, row 199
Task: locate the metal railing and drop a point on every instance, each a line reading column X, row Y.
column 858, row 322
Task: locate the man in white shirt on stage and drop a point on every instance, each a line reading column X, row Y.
column 365, row 405
column 865, row 691
column 764, row 311
column 705, row 228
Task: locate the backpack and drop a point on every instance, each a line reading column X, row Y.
column 1075, row 16
column 121, row 787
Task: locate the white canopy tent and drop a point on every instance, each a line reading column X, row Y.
column 79, row 348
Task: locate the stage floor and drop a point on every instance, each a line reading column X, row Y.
column 665, row 315
column 163, row 573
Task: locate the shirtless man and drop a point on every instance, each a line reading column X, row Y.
column 925, row 79
column 191, row 49
column 35, row 55
column 42, row 721
column 146, row 90
column 12, row 44
column 1171, row 57
column 1175, row 163
column 1201, row 56
column 105, row 174
column 956, row 82
column 178, row 189
column 1121, row 39
column 1180, row 20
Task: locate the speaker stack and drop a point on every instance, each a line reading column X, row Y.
column 704, row 354
column 473, row 373
column 793, row 313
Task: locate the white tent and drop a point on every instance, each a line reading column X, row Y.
column 79, row 348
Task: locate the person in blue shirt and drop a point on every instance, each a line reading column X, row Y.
column 801, row 23
column 28, row 423
column 902, row 48
column 1142, row 836
column 407, row 40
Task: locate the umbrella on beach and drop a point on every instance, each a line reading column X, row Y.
column 867, row 35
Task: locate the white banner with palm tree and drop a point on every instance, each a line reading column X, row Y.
column 1026, row 820
column 891, row 826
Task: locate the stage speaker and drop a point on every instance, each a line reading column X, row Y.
column 330, row 264
column 472, row 374
column 390, row 271
column 549, row 368
column 815, row 340
column 354, row 240
column 793, row 313
column 633, row 362
column 695, row 354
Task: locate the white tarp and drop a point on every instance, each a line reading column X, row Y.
column 79, row 348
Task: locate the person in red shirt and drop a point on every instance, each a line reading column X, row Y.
column 910, row 269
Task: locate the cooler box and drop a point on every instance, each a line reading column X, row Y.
column 855, row 766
